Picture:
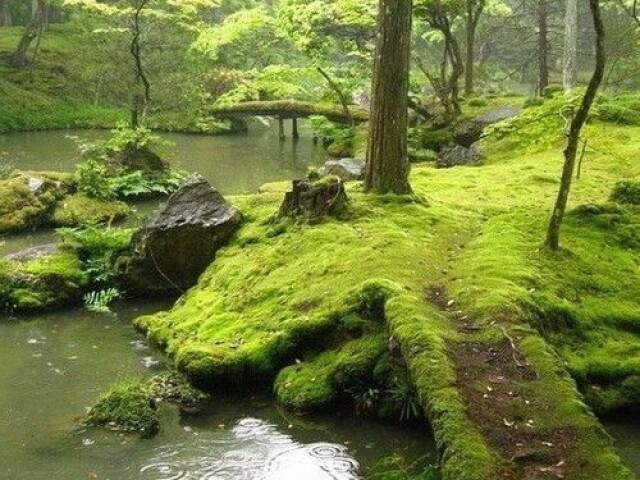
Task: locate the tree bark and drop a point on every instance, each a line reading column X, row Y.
column 474, row 9
column 5, row 12
column 569, row 70
column 142, row 98
column 543, row 46
column 387, row 165
column 570, row 153
column 19, row 58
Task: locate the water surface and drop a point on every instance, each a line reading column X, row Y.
column 54, row 366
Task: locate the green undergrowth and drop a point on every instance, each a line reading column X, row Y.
column 132, row 405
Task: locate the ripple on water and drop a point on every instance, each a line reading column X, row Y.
column 254, row 450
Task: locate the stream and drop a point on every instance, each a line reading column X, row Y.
column 54, row 366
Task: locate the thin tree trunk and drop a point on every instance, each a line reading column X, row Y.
column 543, row 46
column 570, row 153
column 19, row 58
column 387, row 166
column 470, row 57
column 7, row 19
column 140, row 99
column 569, row 70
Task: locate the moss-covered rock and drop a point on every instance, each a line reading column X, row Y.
column 627, row 192
column 80, row 209
column 131, row 405
column 28, row 199
column 46, row 282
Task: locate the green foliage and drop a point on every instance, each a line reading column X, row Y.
column 398, row 467
column 551, row 91
column 627, row 192
column 98, row 301
column 100, row 250
column 6, row 167
column 429, row 138
column 623, row 109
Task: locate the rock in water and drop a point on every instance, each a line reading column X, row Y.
column 314, row 200
column 345, row 168
column 172, row 251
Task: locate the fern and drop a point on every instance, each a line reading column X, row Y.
column 99, row 301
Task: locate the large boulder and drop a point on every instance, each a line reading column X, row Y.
column 172, row 251
column 136, row 158
column 457, row 155
column 345, row 168
column 468, row 132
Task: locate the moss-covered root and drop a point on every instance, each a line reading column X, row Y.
column 332, row 375
column 131, row 405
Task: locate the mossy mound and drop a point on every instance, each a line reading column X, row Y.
column 42, row 283
column 80, row 209
column 131, row 405
column 627, row 192
column 28, row 199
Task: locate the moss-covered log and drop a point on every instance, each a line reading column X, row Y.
column 292, row 109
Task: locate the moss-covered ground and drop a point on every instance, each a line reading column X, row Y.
column 288, row 301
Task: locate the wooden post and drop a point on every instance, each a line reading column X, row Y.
column 294, row 126
column 281, row 129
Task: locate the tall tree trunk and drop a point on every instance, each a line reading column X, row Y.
column 569, row 70
column 470, row 56
column 142, row 94
column 6, row 20
column 387, row 166
column 19, row 58
column 543, row 46
column 570, row 153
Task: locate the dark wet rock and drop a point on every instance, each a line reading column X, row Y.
column 135, row 158
column 314, row 200
column 33, row 253
column 468, row 132
column 345, row 168
column 172, row 251
column 458, row 155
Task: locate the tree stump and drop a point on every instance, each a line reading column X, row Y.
column 314, row 200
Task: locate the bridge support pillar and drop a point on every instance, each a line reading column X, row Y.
column 294, row 128
column 281, row 135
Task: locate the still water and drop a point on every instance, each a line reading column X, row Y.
column 54, row 366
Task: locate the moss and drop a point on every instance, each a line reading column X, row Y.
column 268, row 299
column 79, row 209
column 126, row 406
column 131, row 405
column 25, row 207
column 319, row 382
column 42, row 283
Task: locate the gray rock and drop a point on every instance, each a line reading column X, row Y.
column 345, row 168
column 33, row 253
column 458, row 155
column 172, row 251
column 469, row 132
column 36, row 184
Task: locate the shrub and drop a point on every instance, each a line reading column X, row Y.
column 627, row 192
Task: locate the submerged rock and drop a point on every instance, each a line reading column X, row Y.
column 170, row 253
column 458, row 155
column 133, row 158
column 314, row 200
column 345, row 168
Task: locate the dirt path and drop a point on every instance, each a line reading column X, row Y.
column 495, row 380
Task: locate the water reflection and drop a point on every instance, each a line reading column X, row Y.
column 252, row 449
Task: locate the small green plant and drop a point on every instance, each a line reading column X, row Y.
column 93, row 179
column 99, row 301
column 6, row 167
column 404, row 396
column 398, row 467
